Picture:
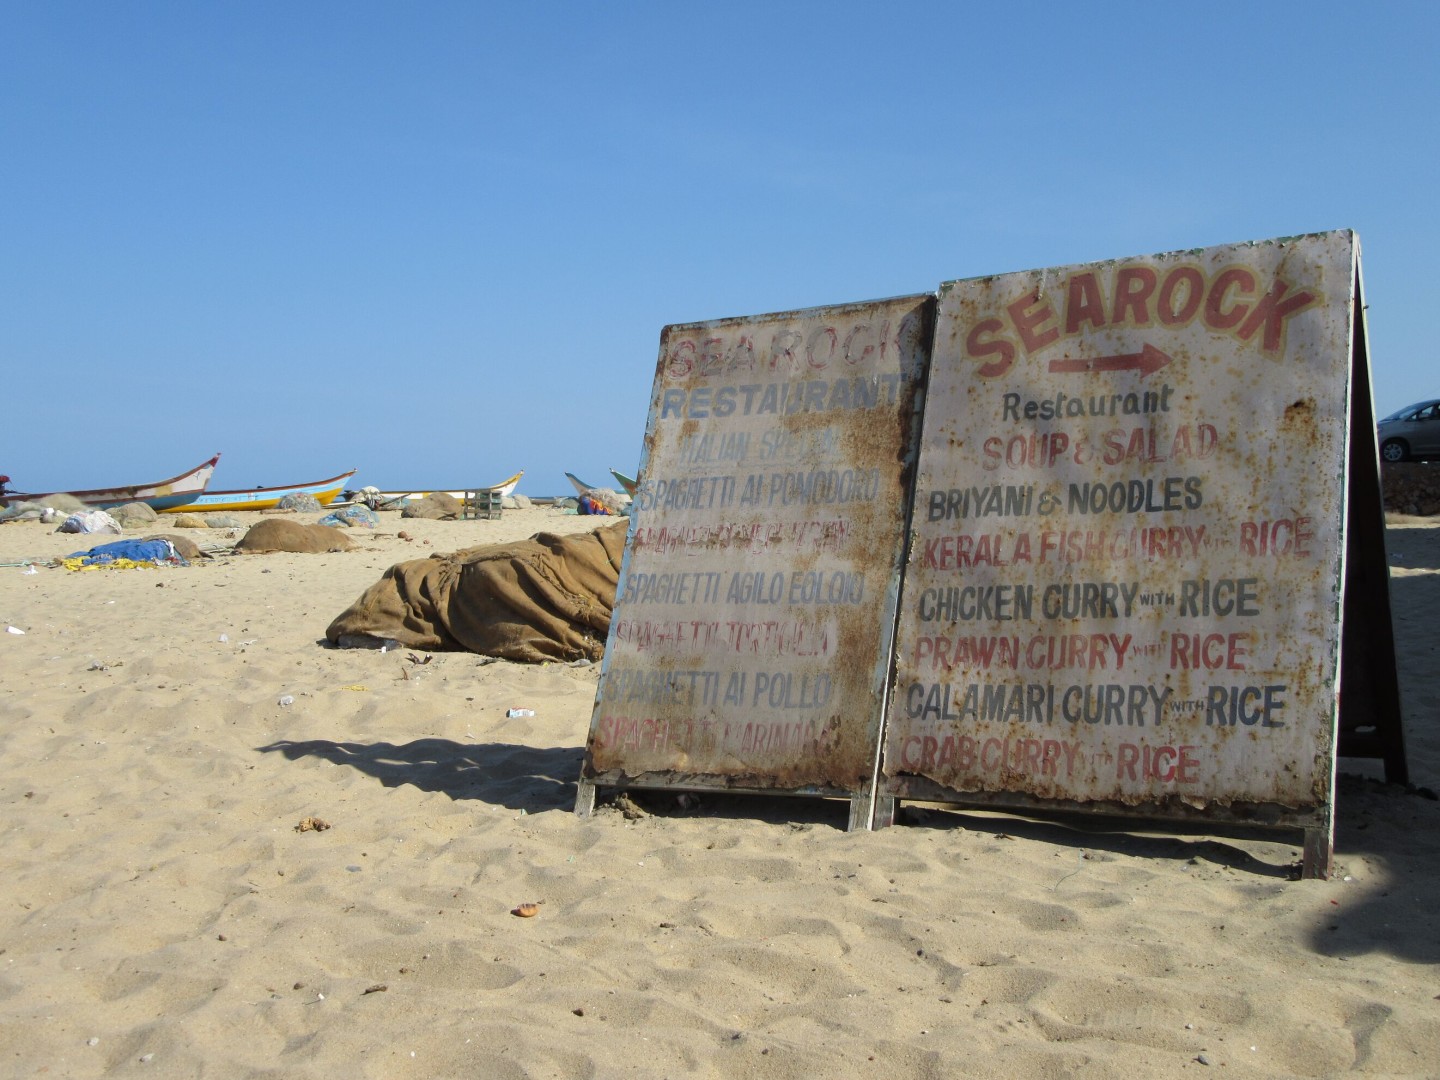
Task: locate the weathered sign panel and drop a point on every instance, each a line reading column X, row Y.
column 1125, row 576
column 751, row 634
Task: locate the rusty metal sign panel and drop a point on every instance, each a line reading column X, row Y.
column 751, row 636
column 1124, row 581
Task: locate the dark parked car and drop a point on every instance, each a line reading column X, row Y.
column 1411, row 433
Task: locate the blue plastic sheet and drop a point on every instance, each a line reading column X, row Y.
column 156, row 551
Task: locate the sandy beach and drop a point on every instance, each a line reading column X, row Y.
column 161, row 913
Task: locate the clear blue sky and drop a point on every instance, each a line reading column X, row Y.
column 437, row 242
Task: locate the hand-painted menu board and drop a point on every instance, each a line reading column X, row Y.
column 752, row 631
column 1124, row 578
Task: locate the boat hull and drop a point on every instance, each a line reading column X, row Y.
column 324, row 491
column 627, row 483
column 177, row 493
column 580, row 486
column 505, row 487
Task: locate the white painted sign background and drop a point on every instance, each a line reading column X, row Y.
column 750, row 641
column 1126, row 560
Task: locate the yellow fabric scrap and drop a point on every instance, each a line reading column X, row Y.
column 78, row 563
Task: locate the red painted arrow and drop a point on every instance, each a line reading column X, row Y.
column 1147, row 360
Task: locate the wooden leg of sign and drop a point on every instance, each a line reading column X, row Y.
column 860, row 810
column 1319, row 855
column 584, row 798
column 886, row 807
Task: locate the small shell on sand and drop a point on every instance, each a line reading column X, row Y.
column 526, row 911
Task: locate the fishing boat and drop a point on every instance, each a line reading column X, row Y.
column 627, row 483
column 262, row 498
column 176, row 493
column 399, row 498
column 581, row 487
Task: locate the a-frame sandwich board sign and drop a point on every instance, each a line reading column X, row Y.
column 1370, row 714
column 1147, row 550
column 750, row 641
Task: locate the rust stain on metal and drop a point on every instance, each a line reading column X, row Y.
column 1122, row 586
column 1299, row 416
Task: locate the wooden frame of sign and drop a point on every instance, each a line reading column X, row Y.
column 749, row 647
column 1147, row 570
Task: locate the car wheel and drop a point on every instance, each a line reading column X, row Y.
column 1393, row 450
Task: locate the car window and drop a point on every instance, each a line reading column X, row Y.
column 1409, row 412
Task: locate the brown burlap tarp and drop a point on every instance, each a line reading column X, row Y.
column 277, row 534
column 437, row 506
column 545, row 598
column 1412, row 487
column 186, row 548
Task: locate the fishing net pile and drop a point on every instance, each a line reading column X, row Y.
column 43, row 508
column 545, row 598
column 300, row 501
